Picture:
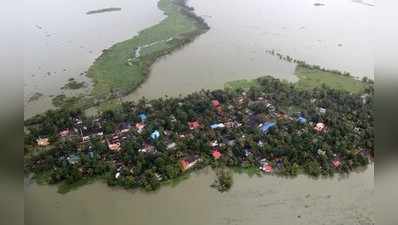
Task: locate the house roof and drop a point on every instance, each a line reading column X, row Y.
column 267, row 168
column 216, row 154
column 215, row 103
column 301, row 120
column 155, row 135
column 336, row 163
column 217, row 125
column 143, row 116
column 265, row 127
column 193, row 125
column 319, row 127
column 43, row 141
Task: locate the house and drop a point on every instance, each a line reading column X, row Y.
column 155, row 135
column 171, row 146
column 43, row 142
column 301, row 120
column 143, row 117
column 64, row 133
column 189, row 162
column 193, row 125
column 125, row 127
column 216, row 154
column 77, row 121
column 247, row 152
column 85, row 139
column 158, row 177
column 215, row 103
column 266, row 167
column 321, row 152
column 214, row 143
column 230, row 142
column 336, row 163
column 117, row 175
column 114, row 146
column 140, row 127
column 147, row 149
column 173, row 119
column 233, row 124
column 364, row 98
column 265, row 127
column 319, row 127
column 217, row 125
column 322, row 110
column 73, row 159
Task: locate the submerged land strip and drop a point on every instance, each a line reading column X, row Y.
column 111, row 9
column 268, row 127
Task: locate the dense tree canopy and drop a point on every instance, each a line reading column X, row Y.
column 289, row 147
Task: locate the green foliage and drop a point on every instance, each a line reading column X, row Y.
column 290, row 147
column 224, row 180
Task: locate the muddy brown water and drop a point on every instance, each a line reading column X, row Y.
column 335, row 36
column 256, row 200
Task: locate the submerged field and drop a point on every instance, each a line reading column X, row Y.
column 119, row 70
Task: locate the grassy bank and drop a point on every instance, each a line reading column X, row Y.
column 312, row 77
column 117, row 71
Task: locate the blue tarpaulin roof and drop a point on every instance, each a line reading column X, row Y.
column 155, row 135
column 142, row 116
column 301, row 120
column 266, row 126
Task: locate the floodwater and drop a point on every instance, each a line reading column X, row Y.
column 62, row 36
column 62, row 41
column 335, row 36
column 258, row 200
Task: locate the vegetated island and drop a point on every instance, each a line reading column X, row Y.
column 111, row 9
column 267, row 127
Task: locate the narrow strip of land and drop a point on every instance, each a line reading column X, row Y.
column 103, row 10
column 124, row 66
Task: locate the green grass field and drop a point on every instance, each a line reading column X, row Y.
column 310, row 78
column 112, row 70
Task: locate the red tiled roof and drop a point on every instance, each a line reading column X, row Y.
column 184, row 164
column 215, row 103
column 216, row 154
column 336, row 163
column 267, row 168
column 193, row 125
